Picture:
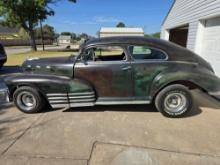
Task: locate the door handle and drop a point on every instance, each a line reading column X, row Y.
column 126, row 68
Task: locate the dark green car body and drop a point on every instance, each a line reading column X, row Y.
column 75, row 81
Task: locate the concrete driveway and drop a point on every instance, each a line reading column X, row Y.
column 111, row 135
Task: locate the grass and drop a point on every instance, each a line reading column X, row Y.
column 18, row 59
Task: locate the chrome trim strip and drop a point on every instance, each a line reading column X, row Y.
column 82, row 104
column 81, row 94
column 57, row 98
column 56, row 94
column 71, row 101
column 70, row 94
column 58, row 101
column 82, row 100
column 184, row 62
column 214, row 93
column 82, row 97
column 60, row 105
column 122, row 102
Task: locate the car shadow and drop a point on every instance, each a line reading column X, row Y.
column 5, row 106
column 129, row 108
column 119, row 108
column 201, row 100
column 6, row 120
column 204, row 100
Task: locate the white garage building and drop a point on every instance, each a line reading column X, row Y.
column 125, row 31
column 195, row 24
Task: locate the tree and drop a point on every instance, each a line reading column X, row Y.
column 84, row 36
column 120, row 24
column 73, row 36
column 48, row 32
column 155, row 35
column 23, row 34
column 66, row 33
column 26, row 14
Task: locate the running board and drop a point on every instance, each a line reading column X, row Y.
column 85, row 99
column 122, row 102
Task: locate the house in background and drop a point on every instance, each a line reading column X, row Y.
column 111, row 32
column 7, row 33
column 195, row 24
column 64, row 40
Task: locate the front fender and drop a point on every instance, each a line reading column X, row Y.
column 204, row 80
column 47, row 83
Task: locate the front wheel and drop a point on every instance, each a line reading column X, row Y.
column 174, row 101
column 28, row 100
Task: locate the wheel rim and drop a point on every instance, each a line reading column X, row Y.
column 26, row 101
column 175, row 103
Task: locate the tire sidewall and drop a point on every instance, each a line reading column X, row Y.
column 160, row 100
column 34, row 92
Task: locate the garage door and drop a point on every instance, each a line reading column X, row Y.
column 211, row 43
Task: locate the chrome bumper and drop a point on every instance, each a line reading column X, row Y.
column 216, row 95
column 4, row 94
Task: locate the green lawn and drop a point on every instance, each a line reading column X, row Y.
column 18, row 59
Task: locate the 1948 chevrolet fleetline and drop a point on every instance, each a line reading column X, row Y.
column 115, row 70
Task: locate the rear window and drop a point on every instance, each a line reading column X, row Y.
column 146, row 53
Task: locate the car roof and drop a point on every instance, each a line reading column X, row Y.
column 166, row 46
column 123, row 40
column 174, row 51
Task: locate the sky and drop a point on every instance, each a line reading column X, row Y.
column 89, row 16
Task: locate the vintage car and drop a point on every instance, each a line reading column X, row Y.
column 3, row 57
column 115, row 70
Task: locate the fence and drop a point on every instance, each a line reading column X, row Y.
column 20, row 42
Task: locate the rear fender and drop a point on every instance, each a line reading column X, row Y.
column 206, row 81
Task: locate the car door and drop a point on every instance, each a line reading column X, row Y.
column 147, row 62
column 108, row 70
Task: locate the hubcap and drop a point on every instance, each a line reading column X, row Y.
column 26, row 100
column 175, row 103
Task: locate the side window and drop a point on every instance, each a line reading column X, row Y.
column 105, row 53
column 146, row 53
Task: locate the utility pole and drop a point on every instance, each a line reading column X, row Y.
column 42, row 34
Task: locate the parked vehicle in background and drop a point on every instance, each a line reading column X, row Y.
column 3, row 93
column 3, row 56
column 115, row 70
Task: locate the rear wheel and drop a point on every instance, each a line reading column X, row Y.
column 174, row 101
column 28, row 100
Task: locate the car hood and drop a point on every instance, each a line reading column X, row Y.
column 62, row 66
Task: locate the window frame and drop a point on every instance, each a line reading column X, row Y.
column 123, row 47
column 150, row 47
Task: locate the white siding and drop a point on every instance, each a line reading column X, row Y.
column 190, row 12
column 111, row 32
column 103, row 34
column 210, row 49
